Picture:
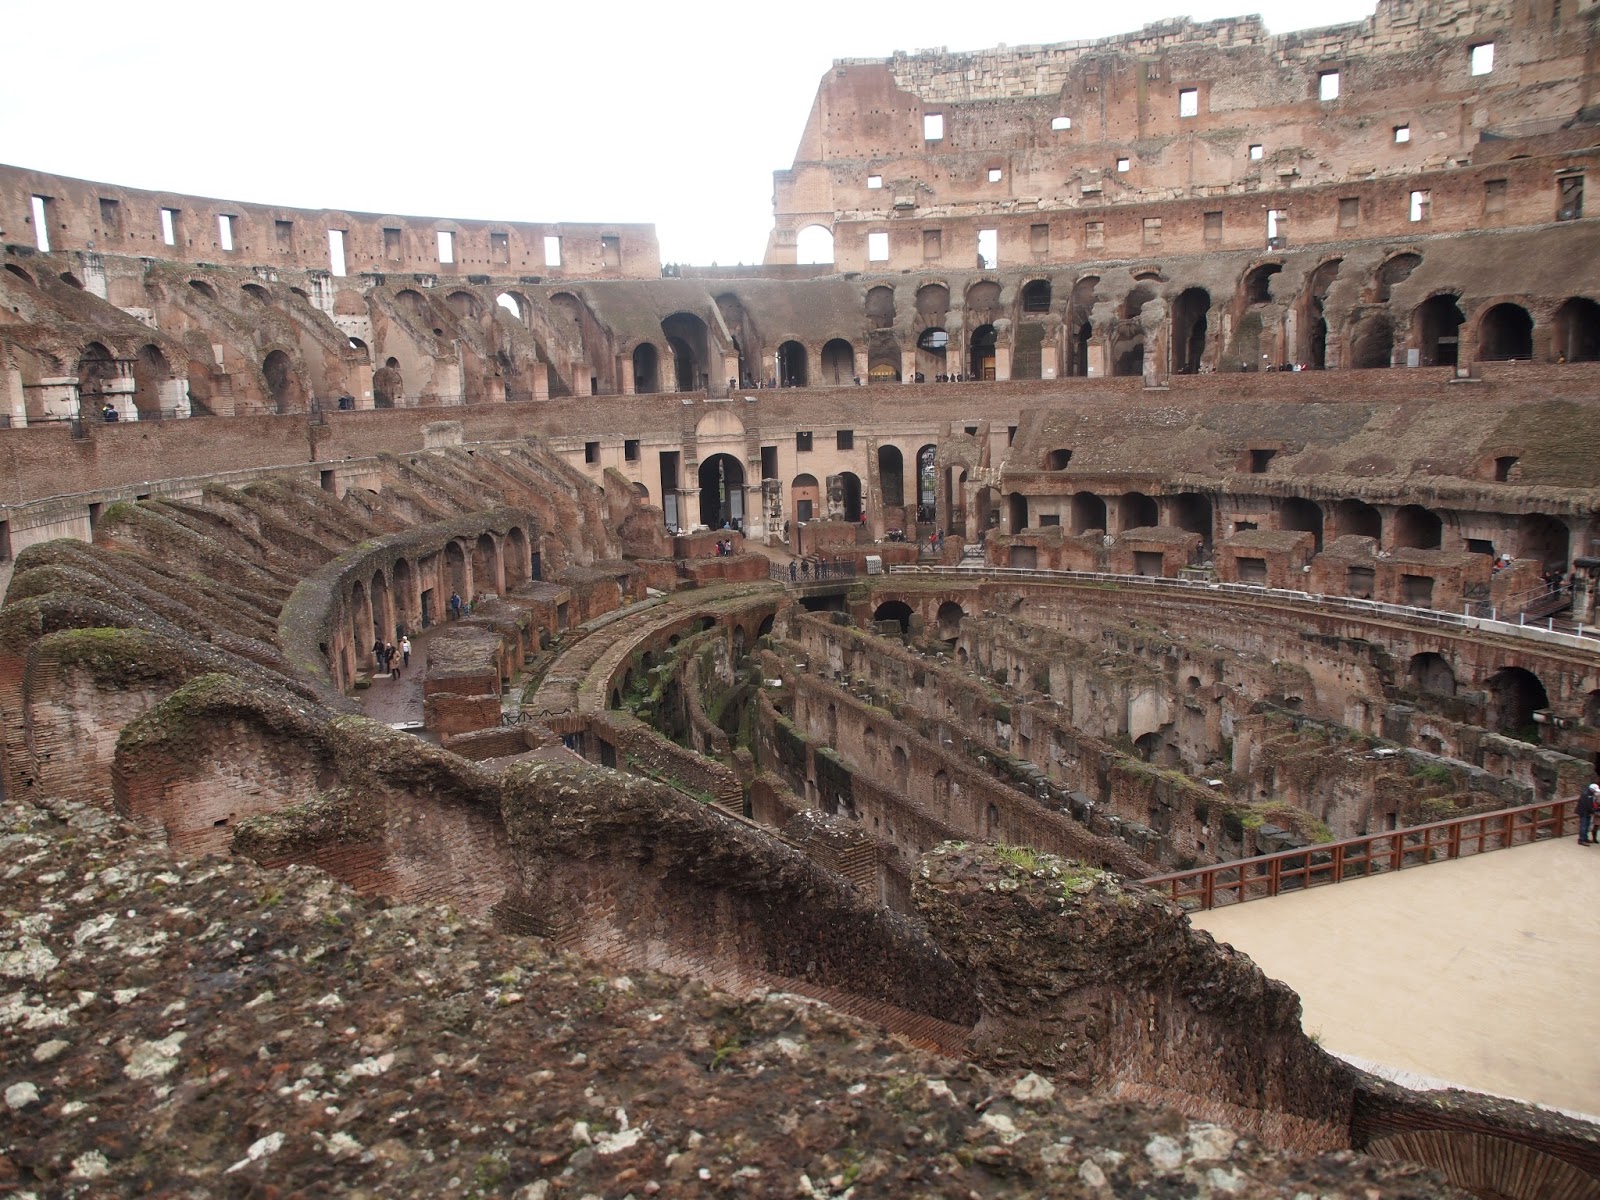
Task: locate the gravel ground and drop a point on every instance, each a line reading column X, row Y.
column 209, row 1029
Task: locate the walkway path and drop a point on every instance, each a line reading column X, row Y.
column 399, row 701
column 1483, row 972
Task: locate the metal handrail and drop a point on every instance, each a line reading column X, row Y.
column 1581, row 638
column 1268, row 875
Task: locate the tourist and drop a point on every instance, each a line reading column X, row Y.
column 391, row 656
column 455, row 606
column 1586, row 805
column 109, row 412
column 794, row 571
column 377, row 654
column 405, row 650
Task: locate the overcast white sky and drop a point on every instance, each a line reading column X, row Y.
column 673, row 113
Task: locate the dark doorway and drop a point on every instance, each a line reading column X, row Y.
column 722, row 492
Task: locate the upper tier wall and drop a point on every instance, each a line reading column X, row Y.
column 88, row 216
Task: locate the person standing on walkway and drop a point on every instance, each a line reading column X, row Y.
column 392, row 656
column 405, row 650
column 1586, row 805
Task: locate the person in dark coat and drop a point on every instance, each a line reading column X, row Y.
column 1586, row 805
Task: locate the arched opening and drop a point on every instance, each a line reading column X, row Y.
column 1088, row 512
column 1016, row 512
column 1415, row 528
column 982, row 353
column 891, row 475
column 814, row 244
column 1435, row 331
column 516, row 564
column 927, row 482
column 949, row 618
column 880, row 307
column 1256, row 286
column 283, row 386
column 850, row 495
column 1505, row 333
column 806, row 497
column 19, row 273
column 894, row 610
column 1514, row 696
column 1191, row 512
column 204, row 288
column 1431, row 674
column 414, row 306
column 646, row 377
column 199, row 385
column 361, row 348
column 455, row 570
column 1135, row 510
column 791, row 365
column 1057, row 459
column 1302, row 516
column 1079, row 329
column 257, row 293
column 1189, row 315
column 1036, row 296
column 1357, row 518
column 361, row 630
column 883, row 357
column 1396, row 270
column 1370, row 342
column 838, row 363
column 513, row 305
column 96, row 370
column 721, row 481
column 687, row 335
column 485, row 565
column 150, row 372
column 1546, row 539
column 1577, row 331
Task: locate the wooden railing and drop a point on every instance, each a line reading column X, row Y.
column 1372, row 854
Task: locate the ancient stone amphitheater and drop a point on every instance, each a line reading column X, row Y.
column 1188, row 457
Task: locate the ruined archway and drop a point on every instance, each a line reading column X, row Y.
column 1189, row 313
column 1302, row 516
column 485, row 565
column 949, row 618
column 894, row 610
column 927, row 482
column 1135, row 510
column 1545, row 539
column 721, row 480
column 792, row 365
column 1515, row 695
column 1431, row 674
column 151, row 371
column 1435, row 331
column 1357, row 518
column 1576, row 333
column 689, row 339
column 646, row 369
column 838, row 364
column 1369, row 343
column 1416, row 528
column 891, row 475
column 1036, row 296
column 850, row 495
column 1505, row 333
column 284, row 391
column 1088, row 512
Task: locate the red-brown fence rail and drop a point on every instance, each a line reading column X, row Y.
column 1358, row 857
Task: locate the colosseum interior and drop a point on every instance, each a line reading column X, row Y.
column 1189, row 456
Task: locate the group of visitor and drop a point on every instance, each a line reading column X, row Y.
column 391, row 658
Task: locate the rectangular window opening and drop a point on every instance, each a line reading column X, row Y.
column 988, row 249
column 169, row 226
column 802, row 442
column 447, row 246
column 1213, row 226
column 500, row 247
column 1188, row 102
column 591, row 452
column 769, row 462
column 1328, row 85
column 877, row 247
column 1152, row 231
column 996, row 174
column 1124, row 164
column 1483, row 58
column 1277, row 228
column 1059, row 123
column 1494, row 195
column 552, row 251
column 932, row 244
column 933, row 127
column 283, row 235
column 1421, row 205
column 41, row 223
column 111, row 217
column 1402, row 134
column 1094, row 235
column 1260, row 459
column 874, row 181
column 1257, row 152
column 225, row 232
column 611, row 251
column 1349, row 212
column 336, row 251
column 1252, row 570
column 630, row 449
column 1039, row 239
column 391, row 245
column 845, row 439
column 1570, row 205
